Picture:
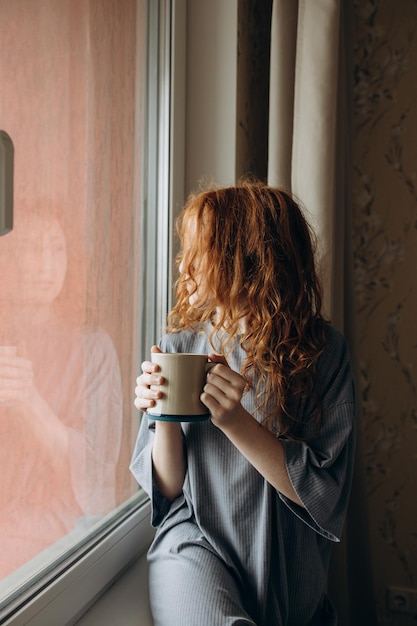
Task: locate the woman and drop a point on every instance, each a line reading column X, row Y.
column 247, row 505
column 60, row 398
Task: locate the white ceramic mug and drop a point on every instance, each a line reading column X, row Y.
column 184, row 378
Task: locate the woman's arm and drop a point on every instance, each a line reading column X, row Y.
column 29, row 415
column 222, row 395
column 168, row 455
column 168, row 459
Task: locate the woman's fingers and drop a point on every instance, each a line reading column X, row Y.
column 146, row 391
column 223, row 391
column 226, row 380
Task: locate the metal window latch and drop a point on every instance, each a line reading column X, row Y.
column 6, row 183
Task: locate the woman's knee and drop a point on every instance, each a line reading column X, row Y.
column 194, row 587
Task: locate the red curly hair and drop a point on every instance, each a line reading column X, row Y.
column 252, row 252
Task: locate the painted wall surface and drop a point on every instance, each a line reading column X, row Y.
column 385, row 257
column 211, row 92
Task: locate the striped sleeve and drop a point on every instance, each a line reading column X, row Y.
column 322, row 475
column 321, row 470
column 141, row 468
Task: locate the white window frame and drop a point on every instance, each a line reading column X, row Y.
column 67, row 591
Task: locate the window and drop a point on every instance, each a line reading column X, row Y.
column 85, row 95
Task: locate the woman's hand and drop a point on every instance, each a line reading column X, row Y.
column 145, row 396
column 222, row 395
column 223, row 392
column 16, row 379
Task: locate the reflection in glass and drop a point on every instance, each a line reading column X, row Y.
column 72, row 87
column 60, row 399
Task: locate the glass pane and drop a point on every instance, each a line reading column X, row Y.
column 72, row 76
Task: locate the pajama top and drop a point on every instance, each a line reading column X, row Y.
column 277, row 551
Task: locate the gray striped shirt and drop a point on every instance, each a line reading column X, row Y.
column 275, row 552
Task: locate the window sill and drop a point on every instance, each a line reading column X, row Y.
column 126, row 603
column 69, row 596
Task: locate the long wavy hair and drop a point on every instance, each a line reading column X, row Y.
column 248, row 253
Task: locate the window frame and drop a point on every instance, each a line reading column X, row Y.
column 64, row 593
column 68, row 591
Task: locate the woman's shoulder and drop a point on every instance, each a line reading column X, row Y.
column 335, row 369
column 336, row 343
column 185, row 341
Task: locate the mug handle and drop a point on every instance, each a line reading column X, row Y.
column 208, row 366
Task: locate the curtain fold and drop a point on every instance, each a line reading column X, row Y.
column 309, row 134
column 282, row 92
column 252, row 99
column 307, row 67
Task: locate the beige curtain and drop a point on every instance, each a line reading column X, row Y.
column 303, row 115
column 307, row 85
